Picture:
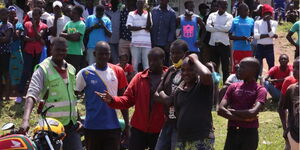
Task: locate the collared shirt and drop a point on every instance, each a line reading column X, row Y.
column 115, row 23
column 163, row 31
column 140, row 38
column 125, row 34
column 261, row 27
column 219, row 27
column 138, row 94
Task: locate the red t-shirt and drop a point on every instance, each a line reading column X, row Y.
column 34, row 47
column 276, row 73
column 127, row 69
column 241, row 96
column 286, row 83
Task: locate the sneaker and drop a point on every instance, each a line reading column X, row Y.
column 18, row 100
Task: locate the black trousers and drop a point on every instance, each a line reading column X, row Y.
column 220, row 54
column 75, row 61
column 140, row 140
column 102, row 139
column 241, row 139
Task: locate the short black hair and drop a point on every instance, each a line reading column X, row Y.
column 188, row 1
column 100, row 8
column 243, row 6
column 102, row 45
column 203, row 5
column 180, row 43
column 59, row 40
column 78, row 9
column 157, row 51
column 284, row 55
column 253, row 62
column 38, row 10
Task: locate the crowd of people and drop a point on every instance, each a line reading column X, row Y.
column 122, row 54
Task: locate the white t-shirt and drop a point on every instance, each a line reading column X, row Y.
column 61, row 22
column 140, row 38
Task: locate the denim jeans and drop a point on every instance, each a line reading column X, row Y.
column 90, row 58
column 139, row 54
column 114, row 48
column 274, row 92
column 30, row 61
column 167, row 137
column 265, row 51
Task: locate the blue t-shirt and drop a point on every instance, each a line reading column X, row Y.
column 99, row 116
column 242, row 27
column 97, row 34
column 189, row 32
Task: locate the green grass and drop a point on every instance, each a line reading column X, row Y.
column 270, row 130
column 285, row 27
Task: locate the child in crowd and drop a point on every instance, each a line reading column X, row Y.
column 128, row 68
column 16, row 58
column 6, row 30
column 216, row 80
column 285, row 103
column 241, row 33
column 276, row 75
column 171, row 80
column 241, row 105
column 194, row 96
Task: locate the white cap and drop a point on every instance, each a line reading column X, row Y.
column 57, row 3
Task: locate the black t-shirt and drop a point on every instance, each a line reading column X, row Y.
column 293, row 105
column 170, row 82
column 193, row 112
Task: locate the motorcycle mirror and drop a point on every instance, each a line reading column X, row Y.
column 8, row 126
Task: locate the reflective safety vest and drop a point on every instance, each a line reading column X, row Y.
column 59, row 93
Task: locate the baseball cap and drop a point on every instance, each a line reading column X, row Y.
column 57, row 3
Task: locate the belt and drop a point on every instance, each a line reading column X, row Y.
column 241, row 128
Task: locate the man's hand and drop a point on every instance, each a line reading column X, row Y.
column 101, row 23
column 106, row 97
column 24, row 127
column 97, row 26
column 275, row 36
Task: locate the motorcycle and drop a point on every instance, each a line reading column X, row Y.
column 47, row 135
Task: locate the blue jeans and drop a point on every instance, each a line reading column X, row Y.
column 265, row 51
column 140, row 54
column 167, row 137
column 114, row 48
column 274, row 92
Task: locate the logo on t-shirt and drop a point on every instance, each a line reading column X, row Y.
column 188, row 31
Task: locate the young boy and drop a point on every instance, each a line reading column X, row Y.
column 169, row 83
column 241, row 33
column 74, row 32
column 128, row 69
column 276, row 75
column 194, row 96
column 294, row 29
column 264, row 32
column 241, row 105
column 286, row 99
